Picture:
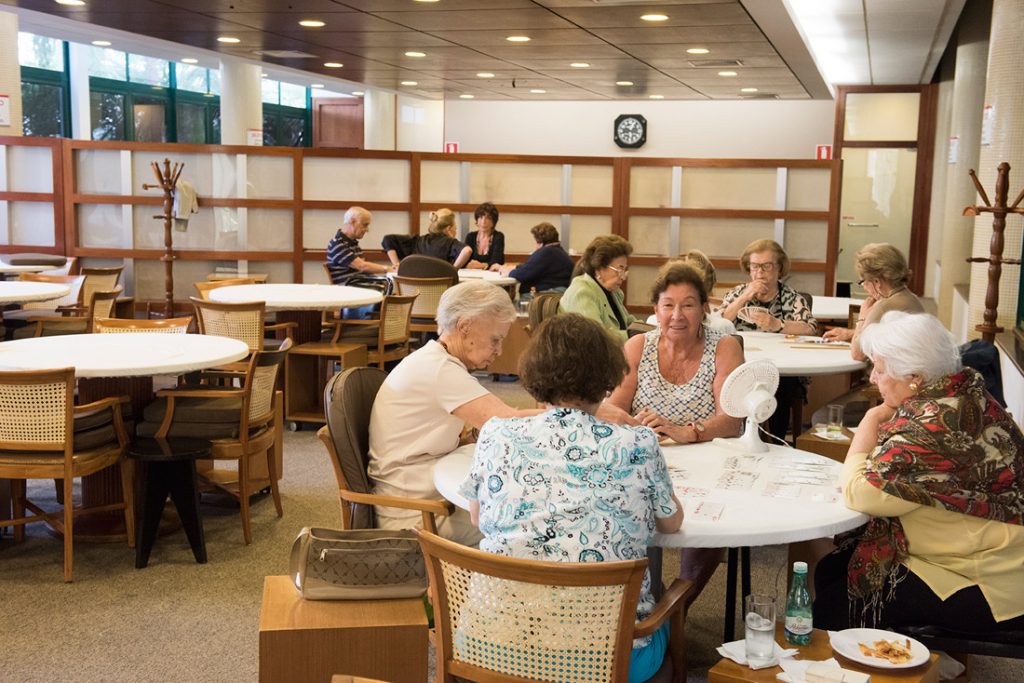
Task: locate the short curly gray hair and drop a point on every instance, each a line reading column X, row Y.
column 470, row 300
column 912, row 344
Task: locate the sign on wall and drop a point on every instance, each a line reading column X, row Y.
column 823, row 152
column 451, row 148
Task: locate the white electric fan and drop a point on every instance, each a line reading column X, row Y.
column 749, row 391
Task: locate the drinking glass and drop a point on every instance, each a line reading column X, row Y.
column 835, row 417
column 759, row 618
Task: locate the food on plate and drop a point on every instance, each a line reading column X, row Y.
column 891, row 651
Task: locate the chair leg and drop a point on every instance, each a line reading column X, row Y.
column 243, row 496
column 69, row 516
column 128, row 495
column 274, row 490
column 18, row 507
column 58, row 490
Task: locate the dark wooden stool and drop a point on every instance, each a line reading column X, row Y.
column 169, row 469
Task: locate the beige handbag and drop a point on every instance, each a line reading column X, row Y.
column 363, row 564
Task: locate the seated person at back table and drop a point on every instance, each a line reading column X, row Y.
column 596, row 290
column 439, row 242
column 345, row 260
column 699, row 260
column 566, row 486
column 938, row 467
column 883, row 272
column 487, row 243
column 548, row 268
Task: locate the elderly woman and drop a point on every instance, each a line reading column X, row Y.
column 566, row 486
column 883, row 272
column 938, row 467
column 430, row 396
column 766, row 263
column 548, row 268
column 439, row 242
column 487, row 243
column 596, row 291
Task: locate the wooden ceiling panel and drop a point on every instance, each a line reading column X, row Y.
column 539, row 39
column 407, row 40
column 682, row 36
column 288, row 23
column 444, row 20
column 378, row 6
column 721, row 13
column 652, row 53
column 683, row 62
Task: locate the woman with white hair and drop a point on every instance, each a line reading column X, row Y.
column 938, row 466
column 423, row 405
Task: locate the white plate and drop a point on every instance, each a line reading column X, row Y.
column 846, row 643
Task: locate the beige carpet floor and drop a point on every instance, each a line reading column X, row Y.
column 180, row 621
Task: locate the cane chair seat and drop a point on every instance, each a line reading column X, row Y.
column 99, row 279
column 77, row 320
column 429, row 291
column 131, row 325
column 203, row 288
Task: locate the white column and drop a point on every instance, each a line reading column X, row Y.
column 241, row 103
column 10, row 74
column 78, row 73
column 379, row 120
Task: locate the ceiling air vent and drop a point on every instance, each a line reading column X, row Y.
column 715, row 63
column 284, row 54
column 760, row 96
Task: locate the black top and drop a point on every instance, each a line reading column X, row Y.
column 614, row 304
column 432, row 244
column 547, row 268
column 496, row 253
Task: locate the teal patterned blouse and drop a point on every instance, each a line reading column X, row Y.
column 565, row 486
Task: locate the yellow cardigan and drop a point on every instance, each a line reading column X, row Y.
column 948, row 550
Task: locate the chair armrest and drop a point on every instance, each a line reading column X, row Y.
column 280, row 326
column 87, row 409
column 675, row 598
column 371, row 322
column 56, row 319
column 437, row 507
column 200, row 393
column 72, row 309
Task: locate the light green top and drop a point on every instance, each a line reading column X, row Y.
column 586, row 297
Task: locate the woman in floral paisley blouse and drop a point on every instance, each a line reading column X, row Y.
column 566, row 486
column 939, row 467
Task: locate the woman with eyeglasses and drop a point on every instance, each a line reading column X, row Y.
column 766, row 262
column 596, row 288
column 884, row 274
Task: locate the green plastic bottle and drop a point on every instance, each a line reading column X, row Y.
column 799, row 621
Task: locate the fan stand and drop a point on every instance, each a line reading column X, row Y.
column 750, row 442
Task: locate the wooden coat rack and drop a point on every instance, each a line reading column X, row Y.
column 167, row 180
column 995, row 259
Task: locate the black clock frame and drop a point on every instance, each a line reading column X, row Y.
column 630, row 145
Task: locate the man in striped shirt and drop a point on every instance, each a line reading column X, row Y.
column 345, row 257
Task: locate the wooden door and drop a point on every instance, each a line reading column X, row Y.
column 338, row 122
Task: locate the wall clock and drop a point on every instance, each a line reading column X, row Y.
column 630, row 130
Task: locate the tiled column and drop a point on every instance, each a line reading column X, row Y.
column 241, row 103
column 1004, row 93
column 10, row 72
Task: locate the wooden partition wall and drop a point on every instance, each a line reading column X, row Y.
column 273, row 209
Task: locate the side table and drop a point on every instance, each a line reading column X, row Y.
column 728, row 671
column 169, row 469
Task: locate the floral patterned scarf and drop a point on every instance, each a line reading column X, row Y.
column 950, row 446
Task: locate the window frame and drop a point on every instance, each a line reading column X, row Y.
column 62, row 79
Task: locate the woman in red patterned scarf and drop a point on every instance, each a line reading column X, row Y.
column 939, row 467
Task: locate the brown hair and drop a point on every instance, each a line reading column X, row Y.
column 600, row 252
column 882, row 261
column 440, row 221
column 758, row 246
column 571, row 358
column 544, row 233
column 679, row 273
column 489, row 210
column 699, row 260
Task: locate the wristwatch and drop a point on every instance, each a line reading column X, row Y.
column 698, row 429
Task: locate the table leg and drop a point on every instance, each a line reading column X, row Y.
column 155, row 489
column 729, row 632
column 184, row 490
column 308, row 325
column 744, row 573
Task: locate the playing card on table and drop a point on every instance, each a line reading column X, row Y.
column 707, row 511
column 691, row 492
column 779, row 490
column 737, row 480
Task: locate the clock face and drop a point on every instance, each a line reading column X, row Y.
column 630, row 130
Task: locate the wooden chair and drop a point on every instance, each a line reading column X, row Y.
column 424, row 311
column 72, row 298
column 128, row 325
column 542, row 307
column 77, row 319
column 240, row 424
column 348, row 401
column 99, row 279
column 386, row 338
column 204, row 287
column 44, row 435
column 242, row 321
column 505, row 620
column 69, row 264
column 418, row 265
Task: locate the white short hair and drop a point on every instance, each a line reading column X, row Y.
column 912, row 344
column 354, row 213
column 473, row 299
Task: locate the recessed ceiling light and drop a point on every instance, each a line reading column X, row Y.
column 333, row 65
column 357, row 93
column 101, row 43
column 654, row 17
column 485, row 74
column 748, row 89
column 538, row 91
column 73, row 3
column 409, row 83
column 727, row 73
column 189, row 60
column 580, row 65
column 415, row 53
column 623, row 82
column 316, row 85
column 312, row 23
column 466, row 97
column 698, row 51
column 657, row 97
column 518, row 39
column 228, row 39
column 263, row 75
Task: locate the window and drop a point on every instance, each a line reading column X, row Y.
column 45, row 88
column 106, row 63
column 286, row 126
column 192, row 78
column 148, row 70
column 40, row 52
column 293, row 95
column 42, row 109
column 271, row 91
column 107, row 115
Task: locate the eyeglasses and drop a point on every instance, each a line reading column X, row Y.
column 623, row 271
column 763, row 267
column 860, row 283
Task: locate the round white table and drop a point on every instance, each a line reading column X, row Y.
column 299, row 303
column 115, row 365
column 796, row 358
column 833, row 308
column 489, row 276
column 17, row 292
column 10, row 269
